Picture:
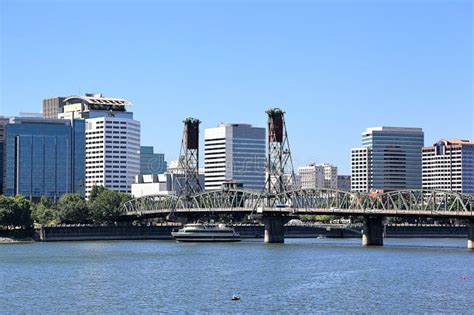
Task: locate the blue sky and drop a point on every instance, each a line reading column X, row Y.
column 335, row 67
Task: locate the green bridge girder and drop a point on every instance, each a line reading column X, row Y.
column 306, row 201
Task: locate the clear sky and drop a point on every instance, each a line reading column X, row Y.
column 336, row 67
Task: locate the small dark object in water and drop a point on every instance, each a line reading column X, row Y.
column 235, row 298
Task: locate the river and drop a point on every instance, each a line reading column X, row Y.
column 302, row 275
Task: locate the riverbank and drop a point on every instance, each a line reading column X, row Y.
column 163, row 232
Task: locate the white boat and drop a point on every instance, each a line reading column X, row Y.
column 200, row 232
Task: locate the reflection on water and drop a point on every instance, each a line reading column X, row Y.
column 303, row 275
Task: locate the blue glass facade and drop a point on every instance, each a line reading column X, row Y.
column 468, row 169
column 1, row 168
column 249, row 156
column 150, row 162
column 44, row 157
column 396, row 157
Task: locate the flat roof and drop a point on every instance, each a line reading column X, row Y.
column 397, row 129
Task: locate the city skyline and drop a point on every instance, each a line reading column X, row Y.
column 335, row 69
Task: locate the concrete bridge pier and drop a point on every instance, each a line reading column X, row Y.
column 470, row 237
column 274, row 228
column 373, row 231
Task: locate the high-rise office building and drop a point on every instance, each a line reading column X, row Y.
column 389, row 159
column 449, row 165
column 235, row 152
column 53, row 106
column 344, row 182
column 360, row 170
column 150, row 162
column 112, row 140
column 3, row 122
column 315, row 176
column 43, row 157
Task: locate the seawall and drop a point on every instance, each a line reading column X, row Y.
column 163, row 232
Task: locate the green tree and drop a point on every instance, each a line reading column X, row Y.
column 45, row 212
column 72, row 208
column 106, row 205
column 15, row 211
column 22, row 213
column 95, row 192
column 6, row 208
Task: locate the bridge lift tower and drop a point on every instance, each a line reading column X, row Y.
column 280, row 176
column 188, row 163
column 280, row 172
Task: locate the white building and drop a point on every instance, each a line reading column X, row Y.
column 449, row 165
column 112, row 140
column 311, row 176
column 318, row 176
column 235, row 152
column 330, row 176
column 360, row 161
column 159, row 184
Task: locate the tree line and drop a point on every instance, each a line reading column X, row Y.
column 103, row 206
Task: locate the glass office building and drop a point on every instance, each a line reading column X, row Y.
column 150, row 162
column 43, row 157
column 235, row 153
column 393, row 160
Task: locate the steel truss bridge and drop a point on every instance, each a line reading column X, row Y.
column 415, row 203
column 280, row 201
column 274, row 210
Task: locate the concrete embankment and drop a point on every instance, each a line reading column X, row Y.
column 163, row 232
column 428, row 231
column 95, row 233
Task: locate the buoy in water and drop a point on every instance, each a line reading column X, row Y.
column 235, row 297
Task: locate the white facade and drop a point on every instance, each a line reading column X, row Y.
column 330, row 176
column 159, row 184
column 235, row 152
column 318, row 176
column 449, row 165
column 360, row 161
column 112, row 153
column 112, row 140
column 311, row 176
column 147, row 185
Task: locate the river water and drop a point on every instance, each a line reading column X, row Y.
column 302, row 275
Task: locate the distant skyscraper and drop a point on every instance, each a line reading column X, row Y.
column 344, row 182
column 3, row 122
column 318, row 176
column 112, row 140
column 449, row 165
column 43, row 157
column 390, row 159
column 235, row 152
column 53, row 106
column 150, row 162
